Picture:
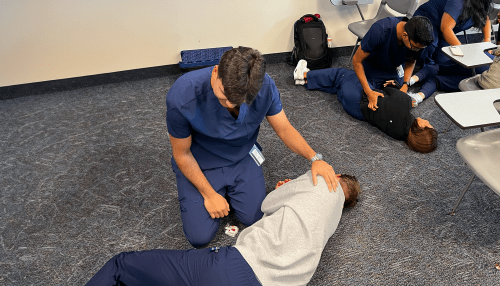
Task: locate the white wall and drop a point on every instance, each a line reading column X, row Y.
column 56, row 39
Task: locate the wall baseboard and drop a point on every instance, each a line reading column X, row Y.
column 21, row 90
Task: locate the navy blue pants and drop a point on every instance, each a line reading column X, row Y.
column 346, row 85
column 450, row 74
column 244, row 185
column 177, row 268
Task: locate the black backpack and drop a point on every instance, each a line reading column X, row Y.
column 311, row 43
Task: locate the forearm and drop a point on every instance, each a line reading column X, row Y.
column 295, row 142
column 192, row 171
column 487, row 30
column 451, row 38
column 409, row 66
column 360, row 73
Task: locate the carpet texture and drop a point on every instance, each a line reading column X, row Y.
column 85, row 174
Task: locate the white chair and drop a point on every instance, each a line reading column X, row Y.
column 406, row 7
column 481, row 152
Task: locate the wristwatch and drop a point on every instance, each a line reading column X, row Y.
column 318, row 156
column 407, row 83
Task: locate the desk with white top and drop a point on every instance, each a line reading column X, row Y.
column 471, row 109
column 473, row 55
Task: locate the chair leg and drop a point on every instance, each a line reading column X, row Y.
column 354, row 50
column 463, row 193
column 448, row 126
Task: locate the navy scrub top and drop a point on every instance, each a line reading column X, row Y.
column 218, row 139
column 381, row 42
column 434, row 10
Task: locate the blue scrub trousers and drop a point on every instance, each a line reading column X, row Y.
column 450, row 74
column 346, row 85
column 177, row 268
column 242, row 182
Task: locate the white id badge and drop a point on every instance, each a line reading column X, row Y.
column 401, row 71
column 257, row 155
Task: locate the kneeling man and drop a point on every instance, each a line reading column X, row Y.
column 213, row 119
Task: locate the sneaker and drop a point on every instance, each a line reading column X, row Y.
column 300, row 82
column 298, row 73
column 415, row 98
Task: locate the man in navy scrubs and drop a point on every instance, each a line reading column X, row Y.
column 390, row 43
column 213, row 119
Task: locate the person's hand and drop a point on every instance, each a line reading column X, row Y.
column 404, row 88
column 322, row 168
column 372, row 99
column 390, row 82
column 280, row 183
column 216, row 206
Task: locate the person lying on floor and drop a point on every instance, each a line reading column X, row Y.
column 389, row 51
column 282, row 248
column 391, row 112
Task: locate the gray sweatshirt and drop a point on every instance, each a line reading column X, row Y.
column 284, row 247
column 491, row 77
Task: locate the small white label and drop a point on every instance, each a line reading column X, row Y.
column 257, row 155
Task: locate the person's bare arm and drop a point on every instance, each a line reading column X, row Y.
column 409, row 66
column 357, row 64
column 295, row 142
column 215, row 204
column 447, row 25
column 487, row 30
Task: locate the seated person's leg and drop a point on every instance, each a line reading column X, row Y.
column 248, row 191
column 198, row 226
column 450, row 82
column 429, row 86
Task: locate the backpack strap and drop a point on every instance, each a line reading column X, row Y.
column 314, row 17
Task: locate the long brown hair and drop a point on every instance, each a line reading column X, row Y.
column 423, row 140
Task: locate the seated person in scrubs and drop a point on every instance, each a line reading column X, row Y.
column 213, row 119
column 391, row 114
column 283, row 248
column 449, row 17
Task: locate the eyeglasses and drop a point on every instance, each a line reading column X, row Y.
column 414, row 48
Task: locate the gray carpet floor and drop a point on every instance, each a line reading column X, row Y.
column 85, row 175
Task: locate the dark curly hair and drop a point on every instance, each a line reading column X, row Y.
column 241, row 71
column 420, row 30
column 353, row 189
column 477, row 10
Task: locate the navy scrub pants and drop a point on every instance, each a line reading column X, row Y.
column 177, row 268
column 346, row 85
column 242, row 182
column 450, row 74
